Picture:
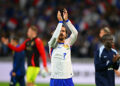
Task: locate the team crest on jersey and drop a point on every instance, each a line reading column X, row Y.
column 66, row 46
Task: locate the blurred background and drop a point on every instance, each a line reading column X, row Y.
column 88, row 16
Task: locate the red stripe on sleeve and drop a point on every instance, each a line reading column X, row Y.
column 41, row 50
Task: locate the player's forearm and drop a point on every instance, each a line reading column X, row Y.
column 57, row 31
column 73, row 36
column 72, row 28
column 103, row 66
column 43, row 56
column 55, row 34
column 44, row 61
column 15, row 48
column 18, row 49
column 41, row 50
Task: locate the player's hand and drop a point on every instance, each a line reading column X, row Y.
column 115, row 58
column 59, row 17
column 45, row 72
column 46, row 69
column 65, row 14
column 13, row 74
column 4, row 40
column 117, row 72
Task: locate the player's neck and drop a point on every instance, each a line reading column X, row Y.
column 33, row 37
column 59, row 41
column 108, row 48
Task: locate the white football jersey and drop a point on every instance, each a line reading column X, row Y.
column 61, row 67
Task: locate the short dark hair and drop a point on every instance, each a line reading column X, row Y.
column 16, row 39
column 106, row 36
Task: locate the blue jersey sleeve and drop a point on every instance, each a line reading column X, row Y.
column 116, row 65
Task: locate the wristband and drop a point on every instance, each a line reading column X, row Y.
column 60, row 21
column 67, row 20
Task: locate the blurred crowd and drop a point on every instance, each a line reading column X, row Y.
column 88, row 16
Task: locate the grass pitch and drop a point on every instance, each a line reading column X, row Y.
column 7, row 84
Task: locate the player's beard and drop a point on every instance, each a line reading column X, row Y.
column 61, row 37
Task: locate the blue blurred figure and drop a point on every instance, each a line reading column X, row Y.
column 18, row 71
column 106, row 61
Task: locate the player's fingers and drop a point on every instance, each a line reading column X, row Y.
column 65, row 10
column 58, row 12
column 117, row 55
column 63, row 13
column 114, row 56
